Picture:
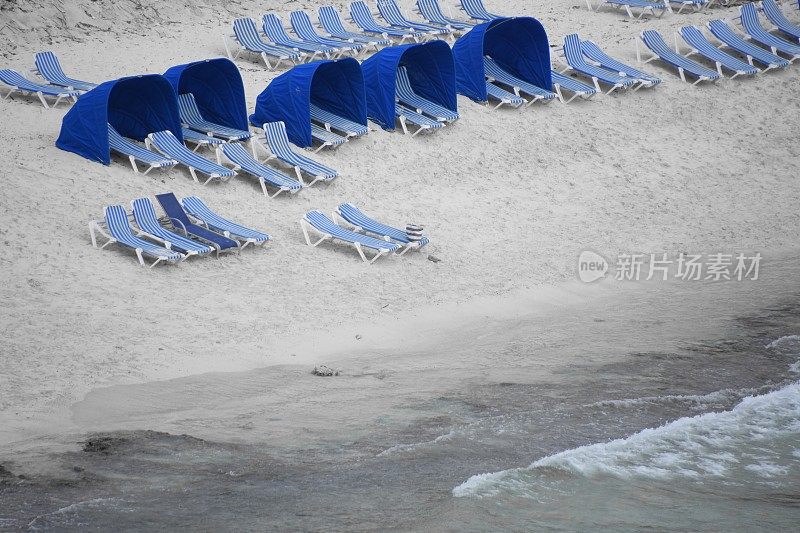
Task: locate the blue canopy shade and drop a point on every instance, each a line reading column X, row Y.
column 337, row 86
column 135, row 107
column 430, row 71
column 217, row 88
column 519, row 45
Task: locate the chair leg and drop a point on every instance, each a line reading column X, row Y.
column 41, row 99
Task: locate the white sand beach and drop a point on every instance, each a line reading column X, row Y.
column 508, row 197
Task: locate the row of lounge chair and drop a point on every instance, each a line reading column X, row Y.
column 187, row 228
column 163, row 150
column 654, row 7
column 761, row 49
column 331, row 39
column 352, row 227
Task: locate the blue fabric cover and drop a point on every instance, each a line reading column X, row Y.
column 337, row 86
column 431, row 72
column 519, row 45
column 134, row 106
column 217, row 88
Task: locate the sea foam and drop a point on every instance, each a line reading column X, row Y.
column 706, row 445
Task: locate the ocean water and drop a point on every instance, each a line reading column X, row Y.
column 685, row 417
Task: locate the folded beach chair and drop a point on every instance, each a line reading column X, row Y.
column 431, row 11
column 278, row 142
column 332, row 23
column 391, row 13
column 199, row 139
column 725, row 34
column 333, row 121
column 503, row 96
column 19, row 83
column 362, row 17
column 593, row 51
column 408, row 116
column 302, row 26
column 775, row 15
column 752, row 26
column 191, row 117
column 700, row 45
column 49, row 68
column 116, row 228
column 273, row 29
column 578, row 88
column 182, row 223
column 655, row 42
column 645, row 7
column 267, row 176
column 407, row 96
column 697, row 5
column 496, row 74
column 361, row 222
column 574, row 58
column 145, row 215
column 246, row 35
column 199, row 210
column 135, row 152
column 476, row 10
column 317, row 221
column 169, row 145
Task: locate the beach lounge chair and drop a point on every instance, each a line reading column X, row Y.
column 575, row 60
column 49, row 68
column 245, row 33
column 191, row 117
column 199, row 210
column 645, row 7
column 725, row 34
column 408, row 116
column 496, row 74
column 169, row 145
column 302, row 26
column 700, row 45
column 655, row 42
column 149, row 226
column 19, row 83
column 431, row 11
column 562, row 82
column 326, row 138
column 332, row 23
column 594, row 53
column 752, row 26
column 182, row 223
column 775, row 15
column 697, row 5
column 333, row 121
column 391, row 13
column 503, row 96
column 476, row 10
column 361, row 222
column 135, row 152
column 278, row 142
column 407, row 96
column 267, row 176
column 362, row 17
column 116, row 228
column 317, row 221
column 273, row 29
column 199, row 139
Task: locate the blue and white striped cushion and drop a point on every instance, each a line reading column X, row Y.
column 247, row 34
column 723, row 32
column 167, row 143
column 363, row 18
column 15, row 79
column 753, row 27
column 407, row 95
column 572, row 51
column 417, row 119
column 432, row 12
column 591, row 50
column 655, row 42
column 495, row 71
column 698, row 41
column 476, row 10
column 50, row 68
column 392, row 14
column 302, row 26
column 197, row 208
column 572, row 84
column 332, row 23
column 240, row 156
column 120, row 144
column 339, row 123
column 275, row 134
column 145, row 215
column 273, row 29
column 190, row 114
column 119, row 228
column 326, row 225
column 356, row 217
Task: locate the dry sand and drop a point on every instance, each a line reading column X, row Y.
column 509, row 199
